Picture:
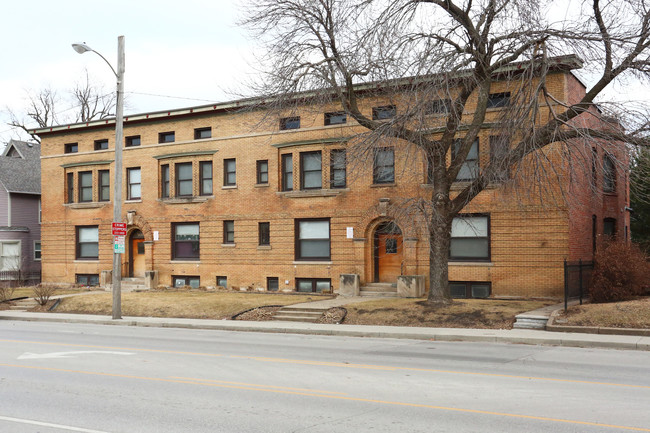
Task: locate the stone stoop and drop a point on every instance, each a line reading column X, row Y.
column 530, row 321
column 133, row 284
column 379, row 290
column 24, row 304
column 297, row 314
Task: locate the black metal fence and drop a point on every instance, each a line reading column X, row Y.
column 577, row 276
column 20, row 278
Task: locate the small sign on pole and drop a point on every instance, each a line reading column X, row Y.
column 118, row 229
column 119, row 244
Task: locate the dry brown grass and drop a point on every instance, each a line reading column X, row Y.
column 29, row 291
column 193, row 305
column 628, row 314
column 466, row 313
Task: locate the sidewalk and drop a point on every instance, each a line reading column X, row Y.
column 512, row 336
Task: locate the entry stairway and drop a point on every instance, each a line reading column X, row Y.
column 299, row 314
column 379, row 290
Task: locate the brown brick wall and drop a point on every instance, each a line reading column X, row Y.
column 528, row 243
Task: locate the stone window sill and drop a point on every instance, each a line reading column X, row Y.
column 88, row 205
column 264, row 247
column 312, row 193
column 233, row 245
column 382, row 185
column 185, row 200
column 470, row 263
column 311, row 263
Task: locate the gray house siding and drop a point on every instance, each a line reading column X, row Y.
column 4, row 206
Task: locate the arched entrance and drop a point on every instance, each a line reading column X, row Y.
column 388, row 248
column 137, row 263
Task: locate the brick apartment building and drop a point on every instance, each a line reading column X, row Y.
column 214, row 195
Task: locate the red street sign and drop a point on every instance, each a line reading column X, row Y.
column 119, row 229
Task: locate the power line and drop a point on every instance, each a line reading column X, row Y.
column 172, row 97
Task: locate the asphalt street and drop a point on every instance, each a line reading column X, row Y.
column 94, row 378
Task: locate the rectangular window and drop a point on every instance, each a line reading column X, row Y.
column 290, row 123
column 499, row 149
column 184, row 179
column 336, row 118
column 311, row 167
column 609, row 227
column 87, row 242
column 222, row 281
column 132, row 141
column 337, row 168
column 438, row 106
column 85, row 186
column 134, row 183
column 498, row 100
column 101, row 144
column 37, row 250
column 71, row 148
column 104, row 185
column 287, row 172
column 384, row 166
column 229, row 172
column 272, row 284
column 205, row 174
column 384, row 112
column 264, row 233
column 313, row 284
column 185, row 241
column 312, row 239
column 262, row 172
column 470, row 238
column 164, row 181
column 166, row 137
column 469, row 289
column 192, row 281
column 470, row 168
column 229, row 232
column 200, row 133
column 609, row 174
column 9, row 256
column 87, row 279
column 70, row 187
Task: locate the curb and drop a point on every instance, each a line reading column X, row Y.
column 515, row 336
column 551, row 326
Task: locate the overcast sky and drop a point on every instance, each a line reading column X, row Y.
column 191, row 52
column 189, row 49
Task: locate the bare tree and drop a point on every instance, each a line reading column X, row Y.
column 83, row 103
column 455, row 53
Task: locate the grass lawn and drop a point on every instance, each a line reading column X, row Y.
column 19, row 292
column 465, row 313
column 193, row 305
column 628, row 314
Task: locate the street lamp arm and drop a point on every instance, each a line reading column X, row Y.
column 82, row 48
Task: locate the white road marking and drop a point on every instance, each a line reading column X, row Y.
column 47, row 424
column 29, row 355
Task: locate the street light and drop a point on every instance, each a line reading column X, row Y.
column 117, row 191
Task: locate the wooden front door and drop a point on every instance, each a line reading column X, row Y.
column 136, row 253
column 390, row 254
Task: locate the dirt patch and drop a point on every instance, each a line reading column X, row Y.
column 628, row 314
column 467, row 313
column 333, row 316
column 260, row 314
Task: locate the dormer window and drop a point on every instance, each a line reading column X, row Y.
column 384, row 112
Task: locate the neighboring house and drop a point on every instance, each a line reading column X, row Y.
column 20, row 209
column 217, row 196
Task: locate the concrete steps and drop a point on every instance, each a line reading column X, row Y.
column 297, row 314
column 379, row 290
column 24, row 304
column 530, row 321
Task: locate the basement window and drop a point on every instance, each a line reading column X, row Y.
column 469, row 289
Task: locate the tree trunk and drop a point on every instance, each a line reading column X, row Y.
column 439, row 240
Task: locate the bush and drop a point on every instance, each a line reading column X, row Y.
column 6, row 293
column 621, row 271
column 43, row 292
